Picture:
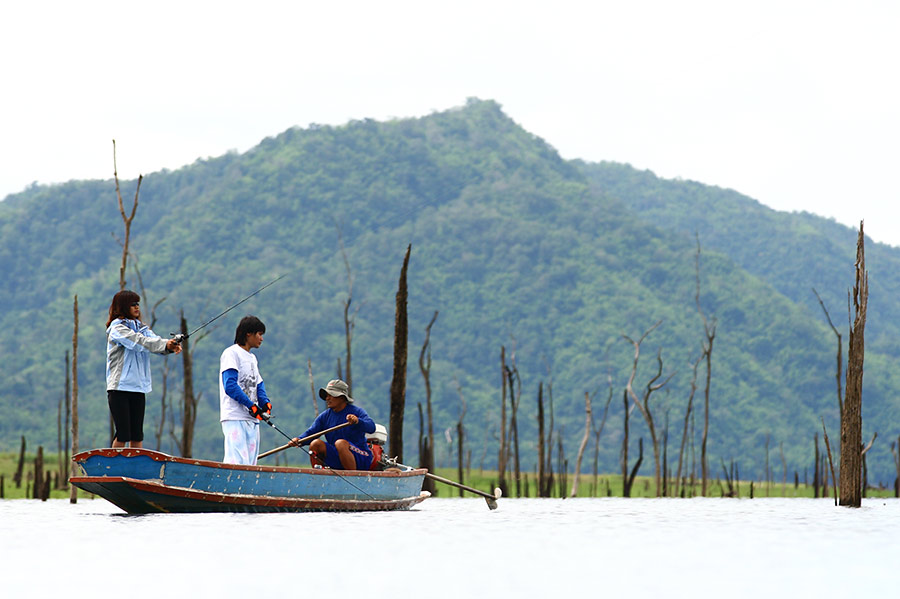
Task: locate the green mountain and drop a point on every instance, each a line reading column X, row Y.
column 555, row 260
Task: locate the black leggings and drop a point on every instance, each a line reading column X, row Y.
column 127, row 409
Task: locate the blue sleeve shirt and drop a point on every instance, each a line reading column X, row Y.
column 230, row 380
column 355, row 434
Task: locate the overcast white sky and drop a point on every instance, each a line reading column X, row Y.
column 794, row 103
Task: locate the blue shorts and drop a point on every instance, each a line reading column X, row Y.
column 333, row 461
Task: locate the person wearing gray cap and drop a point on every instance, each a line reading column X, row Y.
column 345, row 448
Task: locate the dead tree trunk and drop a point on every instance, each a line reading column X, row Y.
column 637, row 465
column 189, row 417
column 834, row 480
column 597, row 433
column 348, row 336
column 895, row 451
column 687, row 417
column 20, row 467
column 588, row 423
column 503, row 454
column 643, row 403
column 73, row 494
column 68, row 409
column 541, row 449
column 515, row 394
column 38, row 490
column 59, row 445
column 398, row 380
column 426, row 455
column 665, row 458
column 729, row 479
column 548, row 469
column 709, row 331
column 460, row 436
column 865, row 471
column 851, row 416
column 312, row 387
column 349, row 320
column 626, row 489
column 162, row 404
column 783, row 470
column 421, row 444
column 562, row 464
column 816, row 473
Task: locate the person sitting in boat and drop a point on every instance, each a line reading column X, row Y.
column 345, row 448
column 242, row 395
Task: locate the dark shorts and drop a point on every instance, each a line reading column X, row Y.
column 363, row 458
column 127, row 409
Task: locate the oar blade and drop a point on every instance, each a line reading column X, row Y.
column 492, row 501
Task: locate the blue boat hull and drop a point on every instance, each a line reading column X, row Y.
column 141, row 481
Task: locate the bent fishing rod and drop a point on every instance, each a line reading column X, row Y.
column 179, row 337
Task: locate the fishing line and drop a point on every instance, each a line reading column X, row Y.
column 181, row 336
column 268, row 420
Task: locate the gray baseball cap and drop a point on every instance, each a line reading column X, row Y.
column 335, row 388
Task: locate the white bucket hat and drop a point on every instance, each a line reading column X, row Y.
column 336, row 388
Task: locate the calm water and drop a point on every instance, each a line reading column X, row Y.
column 458, row 548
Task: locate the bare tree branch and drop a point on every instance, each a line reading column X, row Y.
column 840, row 346
column 126, row 219
column 643, row 404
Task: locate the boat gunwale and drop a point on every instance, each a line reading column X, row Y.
column 158, row 456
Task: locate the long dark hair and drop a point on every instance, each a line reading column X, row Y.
column 248, row 325
column 121, row 305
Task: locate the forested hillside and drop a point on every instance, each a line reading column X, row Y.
column 796, row 253
column 512, row 245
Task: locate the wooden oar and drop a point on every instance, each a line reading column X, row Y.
column 490, row 499
column 302, row 441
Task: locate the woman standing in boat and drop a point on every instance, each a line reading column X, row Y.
column 129, row 343
column 345, row 448
column 242, row 395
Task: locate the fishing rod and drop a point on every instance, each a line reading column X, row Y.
column 179, row 337
column 302, row 441
column 268, row 420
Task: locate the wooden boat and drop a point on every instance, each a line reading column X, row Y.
column 142, row 481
